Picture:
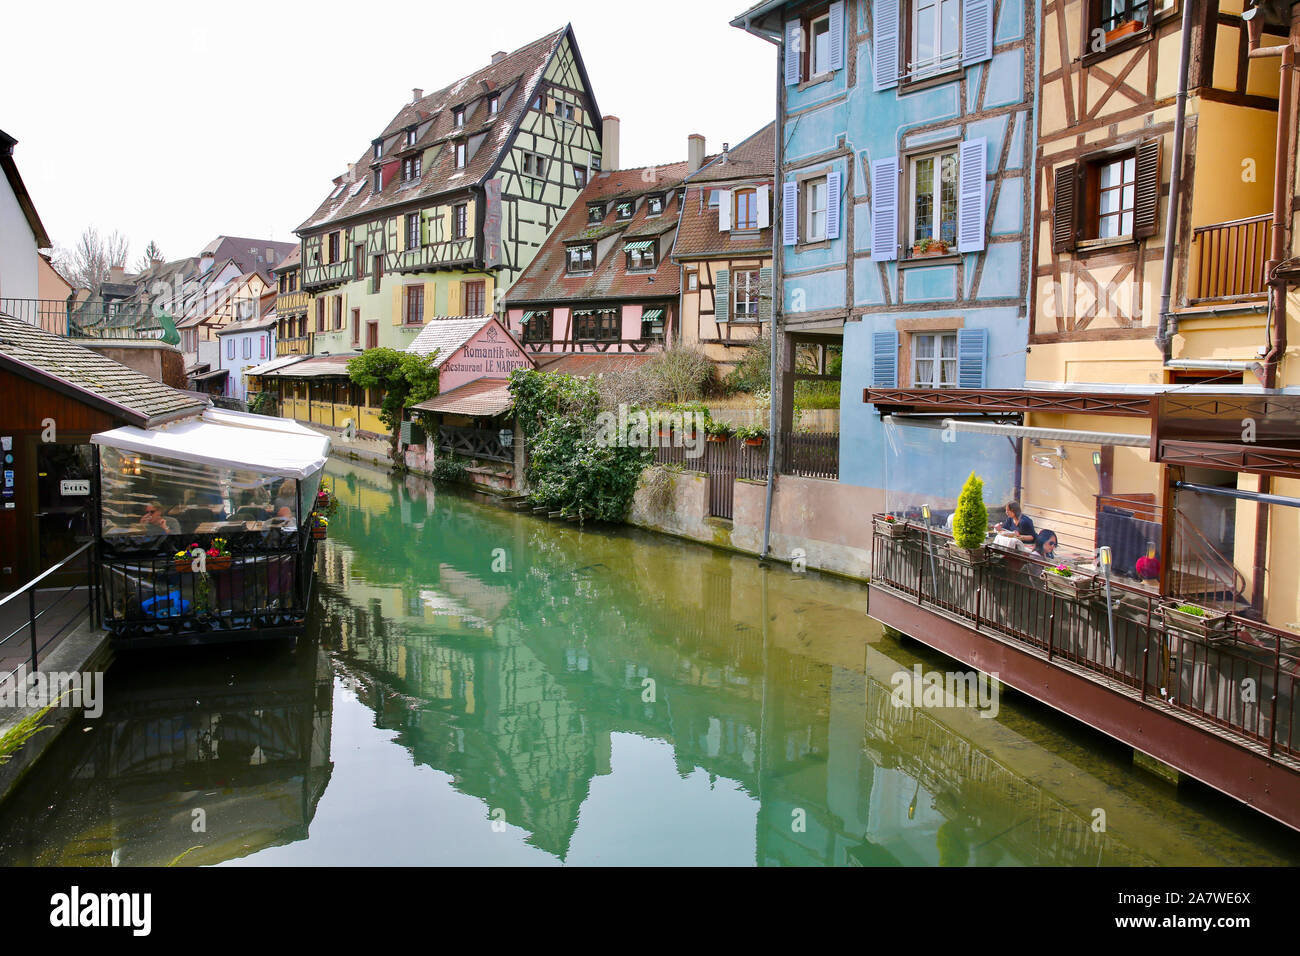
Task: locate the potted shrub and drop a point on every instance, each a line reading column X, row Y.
column 970, row 524
column 930, row 247
column 718, row 431
column 1068, row 583
column 326, row 503
column 1196, row 620
column 753, row 435
column 890, row 527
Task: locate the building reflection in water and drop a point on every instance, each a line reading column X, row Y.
column 196, row 760
column 510, row 653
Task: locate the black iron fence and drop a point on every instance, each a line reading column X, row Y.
column 43, row 615
column 1202, row 674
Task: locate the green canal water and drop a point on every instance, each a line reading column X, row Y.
column 482, row 687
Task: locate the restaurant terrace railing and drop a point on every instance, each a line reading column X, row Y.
column 43, row 615
column 1230, row 258
column 1198, row 675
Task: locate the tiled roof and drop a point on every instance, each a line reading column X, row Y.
column 547, row 279
column 483, row 398
column 583, row 365
column 98, row 381
column 753, row 161
column 276, row 364
column 447, row 336
column 515, row 77
column 292, row 260
column 250, row 325
column 323, row 366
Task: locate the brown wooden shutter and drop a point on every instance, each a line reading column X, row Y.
column 1065, row 207
column 1146, row 205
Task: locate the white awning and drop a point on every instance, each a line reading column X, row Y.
column 1022, row 431
column 268, row 451
column 225, row 416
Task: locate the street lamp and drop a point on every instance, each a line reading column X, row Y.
column 1106, row 560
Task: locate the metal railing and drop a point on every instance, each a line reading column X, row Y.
column 1133, row 645
column 1230, row 258
column 48, row 314
column 1200, row 572
column 14, row 602
column 811, row 455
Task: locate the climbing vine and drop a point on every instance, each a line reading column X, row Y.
column 569, row 469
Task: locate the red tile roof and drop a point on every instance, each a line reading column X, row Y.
column 752, row 162
column 483, row 397
column 584, row 365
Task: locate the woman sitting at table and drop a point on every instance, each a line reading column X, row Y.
column 1045, row 545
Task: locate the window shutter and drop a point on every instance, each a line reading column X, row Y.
column 453, row 298
column 1065, row 207
column 793, row 51
column 790, row 214
column 765, row 294
column 833, row 205
column 971, row 195
column 1146, row 203
column 430, row 300
column 976, row 31
column 884, row 43
column 837, row 34
column 722, row 296
column 884, row 360
column 972, row 358
column 764, row 195
column 398, row 304
column 724, row 210
column 884, row 209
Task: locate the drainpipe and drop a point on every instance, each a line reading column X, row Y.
column 1168, row 324
column 778, row 292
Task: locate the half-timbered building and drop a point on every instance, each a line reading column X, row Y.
column 451, row 200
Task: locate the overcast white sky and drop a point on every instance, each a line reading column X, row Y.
column 178, row 122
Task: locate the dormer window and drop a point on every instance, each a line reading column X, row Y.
column 745, row 215
column 410, row 169
column 596, row 213
column 625, row 209
column 580, row 176
column 595, row 164
column 494, row 105
column 654, row 205
column 642, row 255
column 378, row 144
column 458, row 117
column 461, row 153
column 379, row 180
column 582, row 258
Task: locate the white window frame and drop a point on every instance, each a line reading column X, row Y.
column 936, row 226
column 812, row 211
column 651, row 203
column 494, row 105
column 462, row 155
column 815, row 69
column 584, row 263
column 937, row 338
column 938, row 63
column 458, row 118
column 618, row 210
column 744, row 295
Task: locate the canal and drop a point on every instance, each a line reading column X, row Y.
column 482, row 687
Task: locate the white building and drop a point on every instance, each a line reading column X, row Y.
column 243, row 345
column 21, row 232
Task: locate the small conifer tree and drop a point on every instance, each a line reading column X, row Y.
column 971, row 522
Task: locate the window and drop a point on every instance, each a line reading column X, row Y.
column 410, row 135
column 320, row 315
column 580, row 176
column 1113, row 189
column 413, row 305
column 379, row 147
column 230, row 348
column 537, row 327
column 596, row 213
column 582, row 258
column 624, row 210
column 410, row 169
column 413, row 230
column 372, row 336
column 356, row 326
column 819, row 47
column 600, row 326
column 595, row 163
column 359, row 261
column 263, row 341
column 934, row 360
column 494, row 105
column 460, row 225
column 814, row 204
column 1111, row 196
column 535, row 165
column 746, row 213
column 338, row 312
column 654, row 205
column 692, row 281
column 460, row 155
column 642, row 254
column 475, row 298
column 334, row 247
column 377, row 273
column 934, row 36
column 652, row 325
column 934, row 185
column 248, row 347
column 745, row 295
column 379, row 180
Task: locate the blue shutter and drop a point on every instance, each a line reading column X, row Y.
column 833, row 205
column 837, row 34
column 790, row 214
column 884, row 360
column 793, row 51
column 884, row 209
column 971, row 195
column 972, row 358
column 884, row 44
column 722, row 296
column 976, row 31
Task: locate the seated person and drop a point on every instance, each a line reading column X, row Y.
column 1017, row 525
column 154, row 521
column 1045, row 545
column 286, row 497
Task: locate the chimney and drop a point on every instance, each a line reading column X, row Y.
column 117, row 274
column 609, row 157
column 694, row 152
column 351, row 177
column 498, row 56
column 417, row 94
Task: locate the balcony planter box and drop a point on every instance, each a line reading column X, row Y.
column 718, row 438
column 219, row 563
column 753, row 442
column 1210, row 628
column 892, row 529
column 1123, row 30
column 934, row 249
column 971, row 557
column 318, row 533
column 1076, row 587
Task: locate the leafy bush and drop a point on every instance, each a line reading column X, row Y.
column 406, row 380
column 1193, row 610
column 754, row 371
column 971, row 521
column 449, row 468
column 568, row 469
column 263, row 403
column 658, row 484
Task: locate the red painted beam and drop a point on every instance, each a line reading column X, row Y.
column 1152, row 727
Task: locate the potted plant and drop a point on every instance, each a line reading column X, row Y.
column 1068, row 583
column 753, row 435
column 319, row 524
column 930, row 247
column 718, row 431
column 1196, row 620
column 1124, row 29
column 890, row 527
column 183, row 560
column 326, row 503
column 970, row 524
column 218, row 556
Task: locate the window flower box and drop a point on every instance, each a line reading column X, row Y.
column 971, row 557
column 1124, row 30
column 930, row 247
column 1069, row 584
column 1196, row 621
column 891, row 527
